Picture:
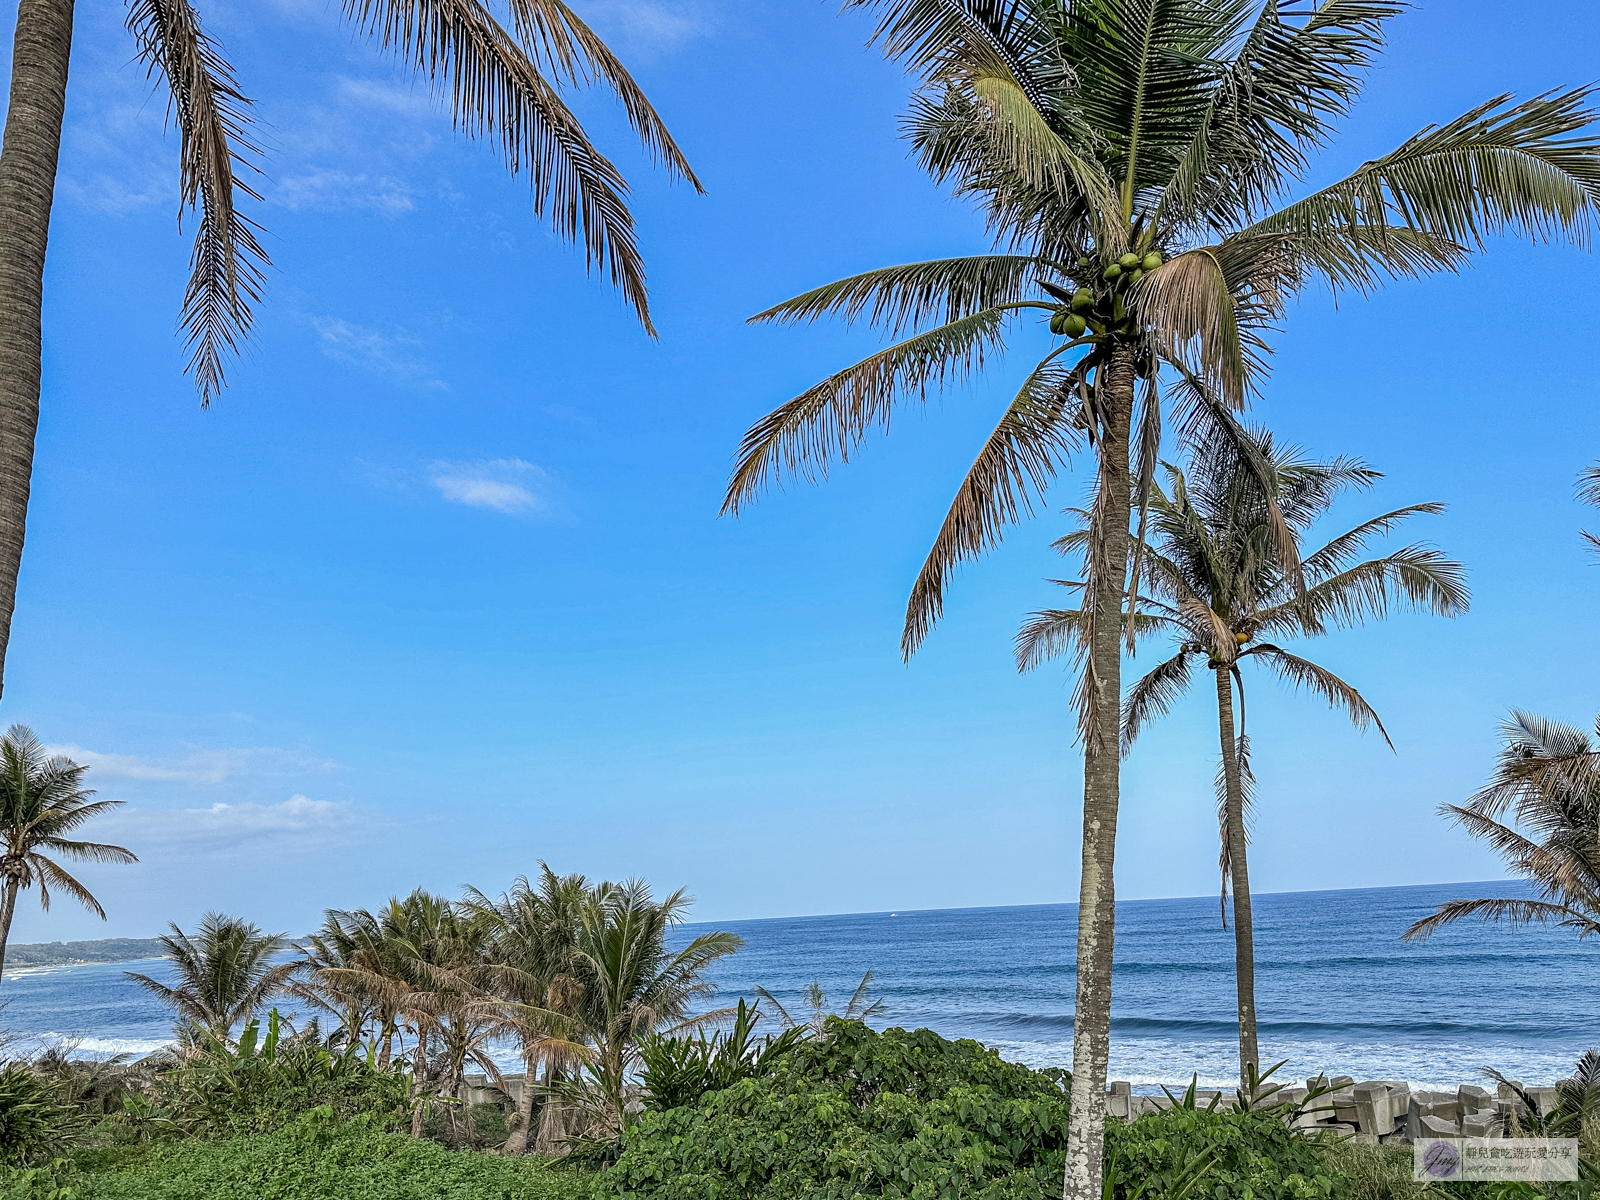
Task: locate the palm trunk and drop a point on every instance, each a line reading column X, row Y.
column 8, row 909
column 517, row 1143
column 28, row 157
column 418, row 1083
column 1091, row 1026
column 1244, row 948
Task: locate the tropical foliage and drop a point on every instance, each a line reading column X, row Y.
column 860, row 1007
column 226, row 971
column 1215, row 583
column 1547, row 783
column 42, row 801
column 910, row 1114
column 1139, row 163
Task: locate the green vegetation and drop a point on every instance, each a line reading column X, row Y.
column 316, row 1158
column 225, row 972
column 1097, row 136
column 910, row 1114
column 98, row 950
column 42, row 801
column 1215, row 584
column 1547, row 780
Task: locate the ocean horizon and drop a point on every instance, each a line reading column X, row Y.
column 1337, row 990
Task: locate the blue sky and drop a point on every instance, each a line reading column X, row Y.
column 438, row 587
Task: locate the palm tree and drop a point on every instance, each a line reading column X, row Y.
column 1136, row 160
column 1548, row 778
column 502, row 81
column 861, row 1006
column 633, row 983
column 1216, row 582
column 42, row 799
column 532, row 984
column 226, row 971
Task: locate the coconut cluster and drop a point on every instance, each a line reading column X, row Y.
column 1100, row 308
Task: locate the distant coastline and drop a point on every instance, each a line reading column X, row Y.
column 77, row 954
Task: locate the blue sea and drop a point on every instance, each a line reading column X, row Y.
column 1336, row 988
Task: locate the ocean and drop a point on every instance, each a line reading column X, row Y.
column 1336, row 989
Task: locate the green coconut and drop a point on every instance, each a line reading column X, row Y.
column 1082, row 300
column 1075, row 325
column 1083, row 262
column 1134, row 276
column 1112, row 272
column 1128, row 261
column 1152, row 260
column 1058, row 321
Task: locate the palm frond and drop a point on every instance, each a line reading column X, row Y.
column 227, row 267
column 907, row 296
column 495, row 91
column 1303, row 673
column 1511, row 912
column 577, row 53
column 1032, row 441
column 1153, row 696
column 831, row 419
column 1419, row 577
column 1498, row 167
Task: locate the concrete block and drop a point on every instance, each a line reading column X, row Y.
column 1118, row 1099
column 1506, row 1091
column 1545, row 1098
column 1479, row 1125
column 1365, row 1139
column 1120, row 1087
column 1372, row 1108
column 1474, row 1099
column 1397, row 1138
column 1341, row 1081
column 1339, row 1129
column 1344, row 1104
column 1437, row 1127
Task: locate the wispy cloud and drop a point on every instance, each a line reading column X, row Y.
column 201, row 767
column 507, row 485
column 321, row 189
column 299, row 819
column 374, row 350
column 649, row 26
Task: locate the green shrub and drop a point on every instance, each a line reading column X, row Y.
column 858, row 1113
column 679, row 1070
column 31, row 1122
column 263, row 1082
column 911, row 1115
column 319, row 1158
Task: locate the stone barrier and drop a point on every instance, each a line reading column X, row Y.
column 1376, row 1110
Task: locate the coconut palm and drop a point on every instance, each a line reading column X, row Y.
column 532, row 983
column 227, row 969
column 42, row 799
column 502, row 81
column 1216, row 583
column 1548, row 780
column 1138, row 162
column 633, row 983
column 419, row 963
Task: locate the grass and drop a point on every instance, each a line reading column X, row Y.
column 310, row 1162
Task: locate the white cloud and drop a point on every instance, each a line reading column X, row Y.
column 373, row 350
column 202, row 767
column 506, row 485
column 321, row 189
column 297, row 819
column 645, row 26
column 413, row 101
